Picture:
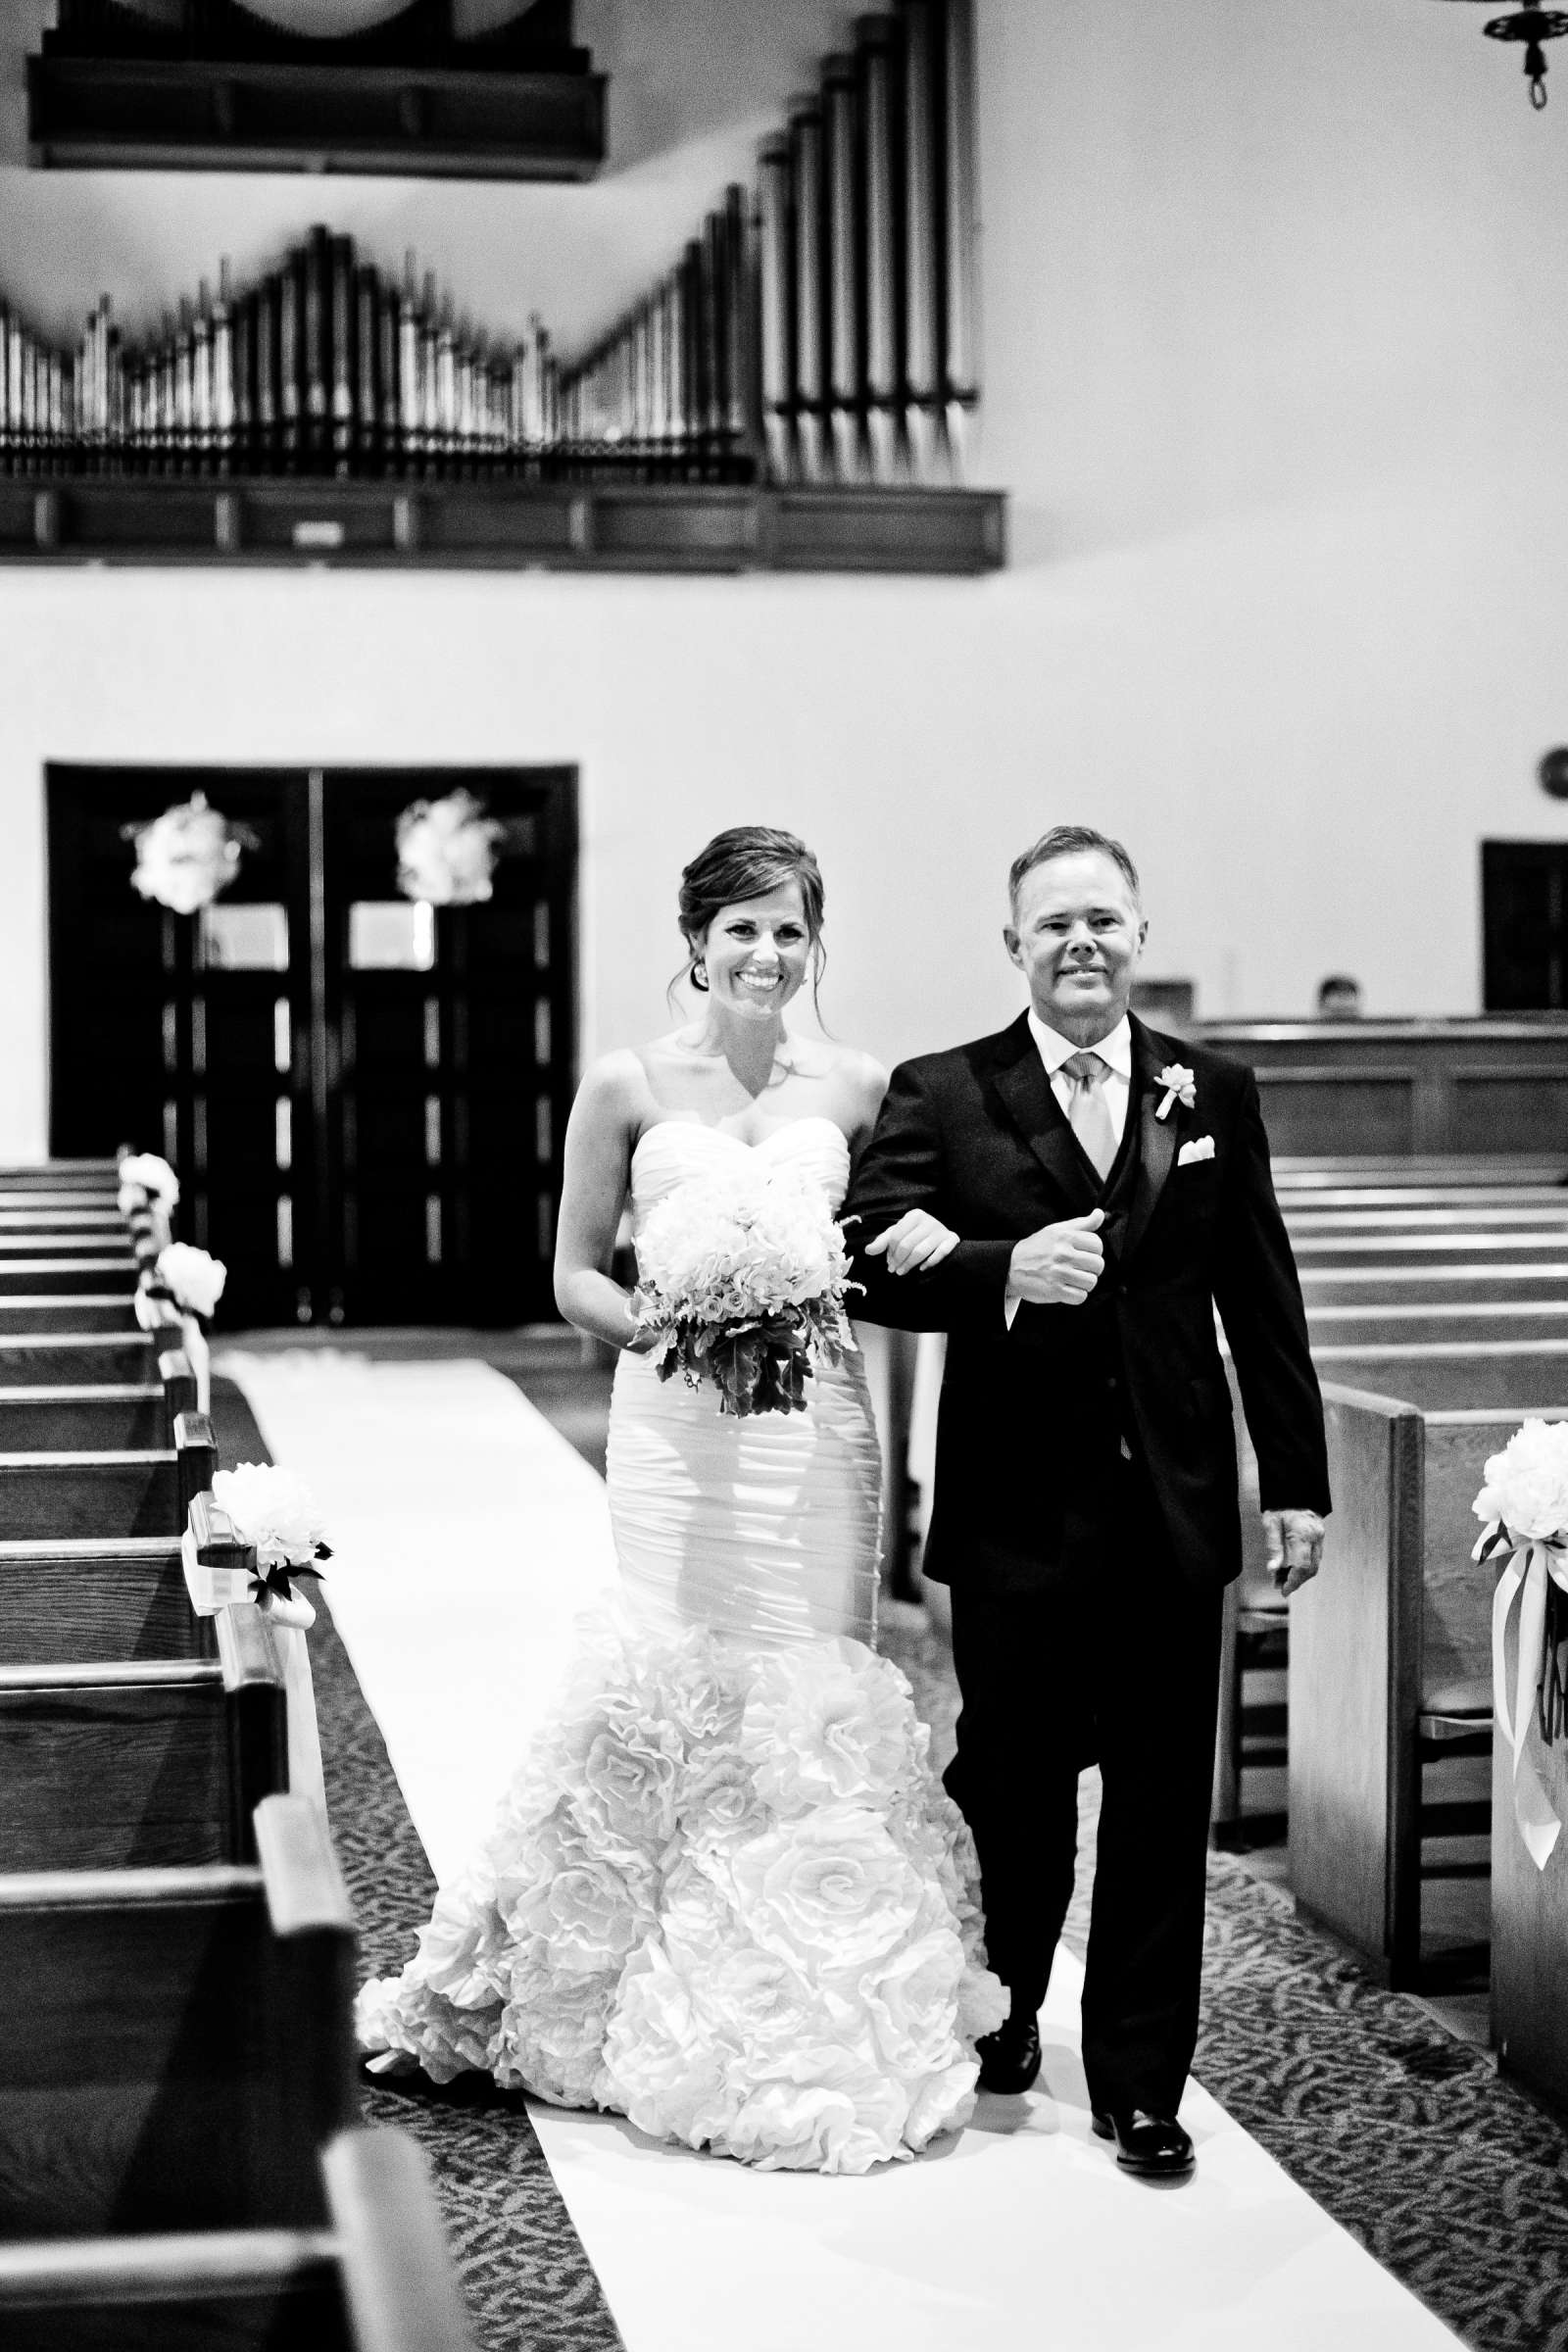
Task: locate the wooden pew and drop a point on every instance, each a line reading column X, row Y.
column 1339, row 1213
column 65, row 1279
column 1304, row 1173
column 107, row 1494
column 97, row 1601
column 1518, row 1375
column 375, row 2276
column 175, row 2044
column 100, row 1177
column 69, row 1314
column 143, row 1762
column 1390, row 1668
column 1376, row 1285
column 116, row 1415
column 1429, row 1252
column 1439, row 1323
column 37, row 1417
column 59, row 1212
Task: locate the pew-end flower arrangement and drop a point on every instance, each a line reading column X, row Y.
column 147, row 1181
column 742, row 1284
column 1523, row 1505
column 192, row 1278
column 274, row 1512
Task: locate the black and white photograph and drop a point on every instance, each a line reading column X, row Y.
column 783, row 1176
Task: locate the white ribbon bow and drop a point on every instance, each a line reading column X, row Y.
column 1180, row 1087
column 1524, row 1578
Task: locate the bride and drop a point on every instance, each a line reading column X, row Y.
column 724, row 1894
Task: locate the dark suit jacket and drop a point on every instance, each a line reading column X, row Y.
column 976, row 1135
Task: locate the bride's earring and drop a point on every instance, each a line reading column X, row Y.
column 700, row 974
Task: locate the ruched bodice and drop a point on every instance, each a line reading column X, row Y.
column 767, row 1530
column 671, row 1151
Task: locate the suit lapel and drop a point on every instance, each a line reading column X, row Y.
column 1031, row 1104
column 1156, row 1138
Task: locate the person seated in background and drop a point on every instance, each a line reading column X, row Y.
column 1338, row 997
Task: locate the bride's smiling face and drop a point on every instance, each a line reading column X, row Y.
column 758, row 951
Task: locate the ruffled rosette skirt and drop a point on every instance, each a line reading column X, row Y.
column 725, row 1897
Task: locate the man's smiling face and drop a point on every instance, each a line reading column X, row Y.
column 1076, row 935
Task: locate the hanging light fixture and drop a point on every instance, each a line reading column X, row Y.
column 1531, row 26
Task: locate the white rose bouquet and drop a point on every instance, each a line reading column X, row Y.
column 1524, row 1506
column 742, row 1280
column 274, row 1510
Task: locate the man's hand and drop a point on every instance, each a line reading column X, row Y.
column 915, row 1243
column 1061, row 1264
column 1295, row 1547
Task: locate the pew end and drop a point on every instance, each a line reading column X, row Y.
column 1354, row 1686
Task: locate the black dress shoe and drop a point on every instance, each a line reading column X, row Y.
column 1009, row 2058
column 1153, row 2145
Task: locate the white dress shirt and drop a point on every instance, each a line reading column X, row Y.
column 1115, row 1051
column 1055, row 1050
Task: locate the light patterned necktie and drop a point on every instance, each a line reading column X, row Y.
column 1088, row 1112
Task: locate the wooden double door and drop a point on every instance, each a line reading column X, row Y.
column 364, row 1098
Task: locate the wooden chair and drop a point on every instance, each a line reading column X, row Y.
column 375, row 2276
column 175, row 2044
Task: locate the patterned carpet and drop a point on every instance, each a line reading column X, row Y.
column 1451, row 2178
column 522, row 2265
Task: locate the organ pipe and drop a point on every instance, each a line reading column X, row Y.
column 921, row 242
column 810, row 256
column 881, row 369
column 961, row 389
column 779, row 383
column 840, row 127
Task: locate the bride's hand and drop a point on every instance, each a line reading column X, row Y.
column 915, row 1243
column 643, row 1336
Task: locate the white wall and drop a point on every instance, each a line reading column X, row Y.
column 1275, row 341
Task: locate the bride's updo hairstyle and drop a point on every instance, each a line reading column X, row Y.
column 747, row 861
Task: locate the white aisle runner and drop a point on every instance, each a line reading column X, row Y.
column 468, row 1534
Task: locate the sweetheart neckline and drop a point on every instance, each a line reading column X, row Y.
column 812, row 1118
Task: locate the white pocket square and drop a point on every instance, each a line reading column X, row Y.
column 1202, row 1146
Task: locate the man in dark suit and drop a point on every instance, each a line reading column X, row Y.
column 1109, row 1188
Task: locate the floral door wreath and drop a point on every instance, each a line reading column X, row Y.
column 188, row 856
column 446, row 851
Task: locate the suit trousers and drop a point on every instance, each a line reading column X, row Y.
column 1113, row 1659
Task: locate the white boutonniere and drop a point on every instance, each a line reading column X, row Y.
column 1180, row 1087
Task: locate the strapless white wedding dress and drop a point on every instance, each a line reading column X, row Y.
column 724, row 1897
